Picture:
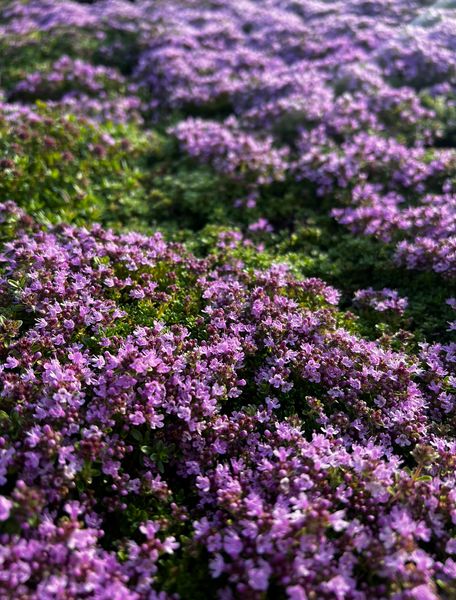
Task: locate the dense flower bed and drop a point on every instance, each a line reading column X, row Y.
column 227, row 294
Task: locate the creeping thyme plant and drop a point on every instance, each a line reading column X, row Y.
column 227, row 300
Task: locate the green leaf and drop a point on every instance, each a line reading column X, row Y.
column 136, row 435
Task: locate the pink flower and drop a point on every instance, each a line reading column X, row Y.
column 5, row 508
column 296, row 592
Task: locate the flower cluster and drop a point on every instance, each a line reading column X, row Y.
column 232, row 152
column 78, row 87
column 107, row 401
column 381, row 300
column 66, row 73
column 425, row 233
